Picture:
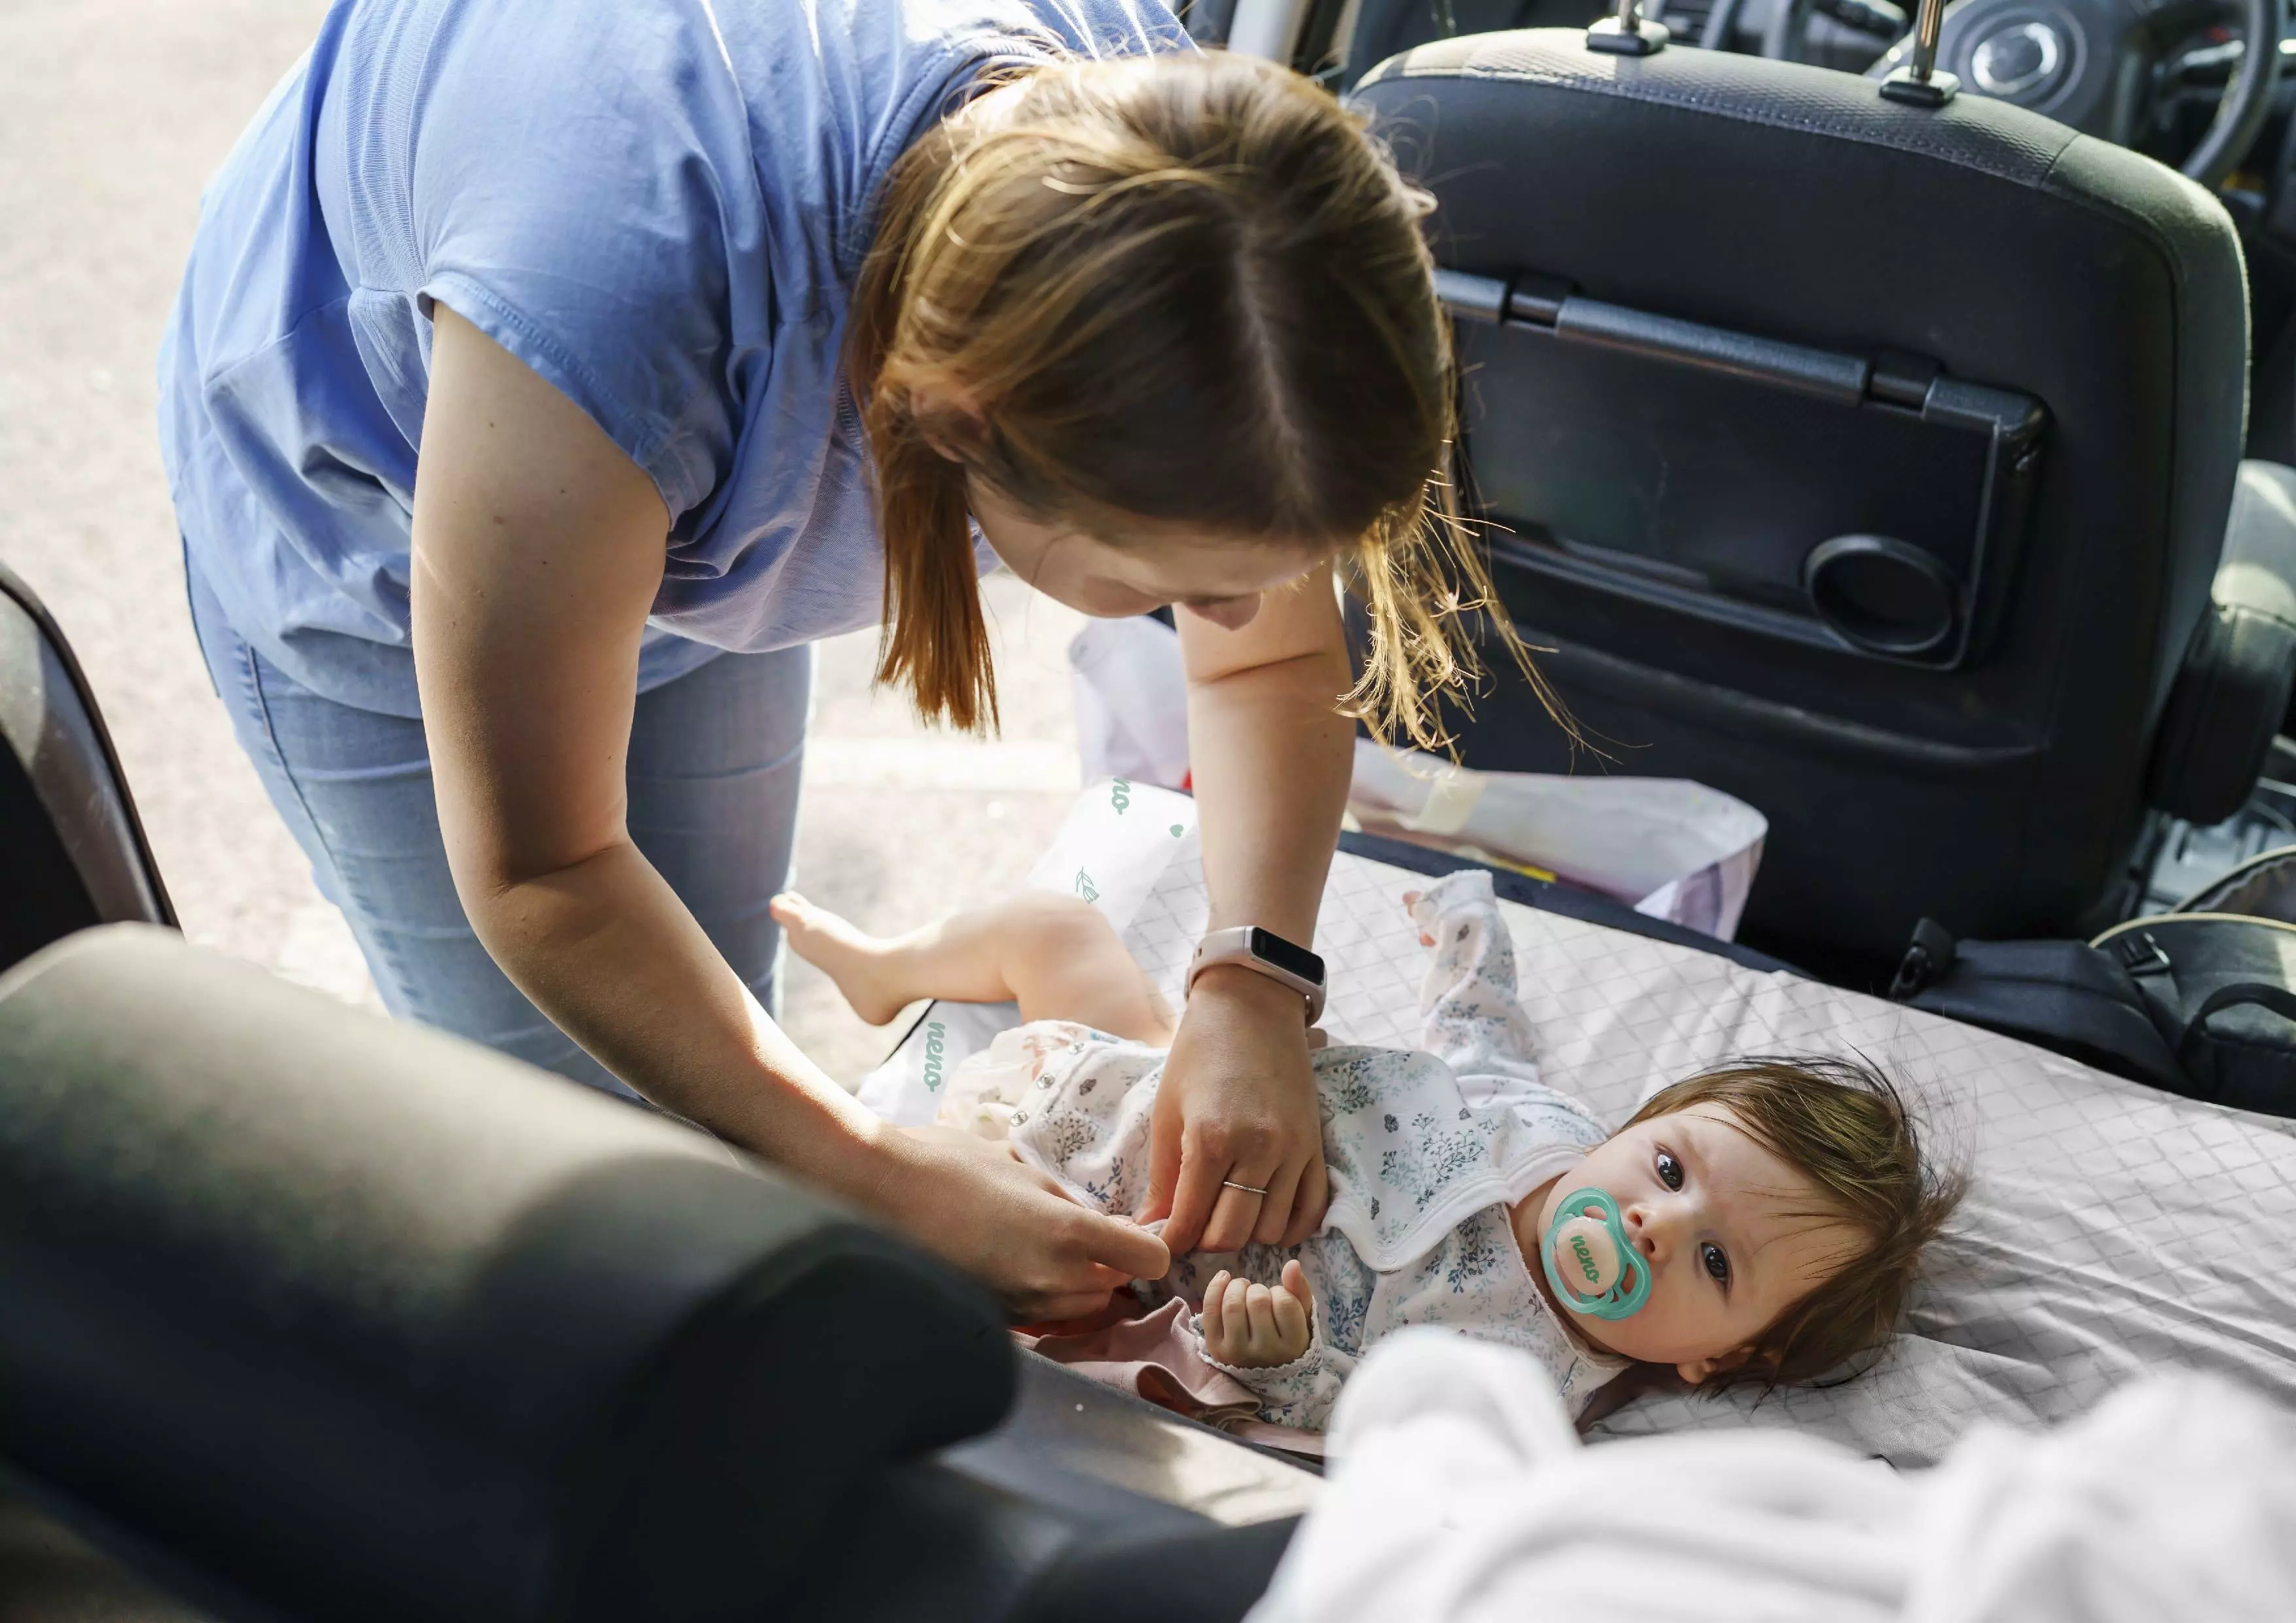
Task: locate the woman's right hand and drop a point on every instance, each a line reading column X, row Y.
column 975, row 1204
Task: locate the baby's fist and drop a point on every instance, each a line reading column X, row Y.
column 1250, row 1326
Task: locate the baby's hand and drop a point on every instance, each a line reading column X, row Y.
column 1252, row 1327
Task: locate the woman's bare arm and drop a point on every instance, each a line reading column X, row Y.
column 1271, row 757
column 538, row 547
column 1270, row 754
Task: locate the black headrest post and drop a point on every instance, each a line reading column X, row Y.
column 1626, row 33
column 1917, row 82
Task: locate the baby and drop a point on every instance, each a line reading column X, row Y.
column 1758, row 1221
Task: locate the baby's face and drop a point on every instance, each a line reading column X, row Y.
column 1724, row 1226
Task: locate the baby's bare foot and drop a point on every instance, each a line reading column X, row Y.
column 857, row 963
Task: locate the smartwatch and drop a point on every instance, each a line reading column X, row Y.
column 1268, row 952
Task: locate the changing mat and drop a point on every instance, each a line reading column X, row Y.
column 2108, row 1228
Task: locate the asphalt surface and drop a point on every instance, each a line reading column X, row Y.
column 112, row 115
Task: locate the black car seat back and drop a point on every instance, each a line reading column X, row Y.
column 331, row 1316
column 72, row 852
column 1868, row 462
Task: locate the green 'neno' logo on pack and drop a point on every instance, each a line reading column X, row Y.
column 1585, row 1259
column 935, row 1046
column 1119, row 795
column 1084, row 888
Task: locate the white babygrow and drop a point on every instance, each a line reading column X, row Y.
column 1425, row 1152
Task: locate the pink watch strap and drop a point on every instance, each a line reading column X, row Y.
column 1234, row 945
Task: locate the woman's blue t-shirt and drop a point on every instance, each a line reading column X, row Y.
column 659, row 205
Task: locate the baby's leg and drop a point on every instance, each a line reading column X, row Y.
column 1053, row 954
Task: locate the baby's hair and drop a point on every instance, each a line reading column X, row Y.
column 1846, row 1126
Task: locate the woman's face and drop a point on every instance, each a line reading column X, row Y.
column 1221, row 580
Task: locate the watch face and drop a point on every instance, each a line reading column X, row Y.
column 1291, row 960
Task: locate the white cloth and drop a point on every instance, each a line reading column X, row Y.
column 1425, row 1152
column 1460, row 1493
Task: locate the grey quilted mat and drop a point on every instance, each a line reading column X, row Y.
column 2108, row 1228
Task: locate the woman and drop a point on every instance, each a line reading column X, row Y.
column 547, row 377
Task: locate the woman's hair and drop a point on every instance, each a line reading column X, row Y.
column 1843, row 1125
column 1184, row 290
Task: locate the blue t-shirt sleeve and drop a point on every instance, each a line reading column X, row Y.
column 582, row 195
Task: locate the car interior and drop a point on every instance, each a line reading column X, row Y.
column 1917, row 465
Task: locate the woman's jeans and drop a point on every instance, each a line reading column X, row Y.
column 713, row 763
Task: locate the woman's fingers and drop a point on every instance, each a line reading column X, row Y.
column 1241, row 1168
column 1234, row 1216
column 1111, row 1244
column 1195, row 1197
column 1045, row 1255
column 1308, row 1205
column 1167, row 1128
column 1276, row 1216
column 1131, row 1251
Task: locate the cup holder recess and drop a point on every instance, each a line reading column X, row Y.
column 1880, row 594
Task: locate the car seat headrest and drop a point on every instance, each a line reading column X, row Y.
column 348, row 1319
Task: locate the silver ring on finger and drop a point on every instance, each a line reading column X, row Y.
column 1227, row 1182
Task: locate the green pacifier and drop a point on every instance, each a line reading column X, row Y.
column 1589, row 1258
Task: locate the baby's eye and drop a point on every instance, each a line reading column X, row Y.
column 1717, row 1265
column 1669, row 1171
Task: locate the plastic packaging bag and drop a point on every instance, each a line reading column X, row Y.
column 1131, row 701
column 1671, row 848
column 1668, row 848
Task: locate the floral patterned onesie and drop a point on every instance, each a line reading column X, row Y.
column 1425, row 1152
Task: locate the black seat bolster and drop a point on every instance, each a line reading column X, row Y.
column 350, row 1319
column 2232, row 696
column 1210, row 1575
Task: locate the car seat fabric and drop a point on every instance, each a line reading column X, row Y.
column 1211, row 1576
column 2242, row 661
column 2110, row 1228
column 352, row 1320
column 2002, row 793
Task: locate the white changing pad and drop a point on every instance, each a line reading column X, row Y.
column 2108, row 1228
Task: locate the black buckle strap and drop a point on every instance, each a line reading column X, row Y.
column 1927, row 958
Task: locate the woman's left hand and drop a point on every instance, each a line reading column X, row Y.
column 1237, row 1106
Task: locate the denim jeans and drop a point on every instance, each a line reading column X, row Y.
column 714, row 764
